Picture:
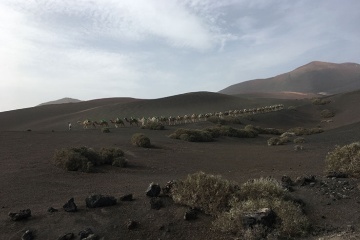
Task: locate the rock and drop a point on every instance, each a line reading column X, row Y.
column 91, row 237
column 70, row 206
column 337, row 175
column 51, row 210
column 98, row 200
column 28, row 235
column 21, row 215
column 132, row 224
column 264, row 216
column 153, row 190
column 169, row 185
column 156, row 203
column 190, row 214
column 302, row 181
column 128, row 197
column 67, row 236
column 287, row 183
column 85, row 233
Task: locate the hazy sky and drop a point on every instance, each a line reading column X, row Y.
column 89, row 49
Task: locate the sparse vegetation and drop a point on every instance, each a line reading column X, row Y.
column 292, row 108
column 299, row 140
column 320, row 101
column 105, row 130
column 274, row 141
column 299, row 131
column 210, row 193
column 84, row 159
column 259, row 130
column 140, row 140
column 345, row 159
column 230, row 203
column 326, row 113
column 154, row 126
column 224, row 121
column 231, row 132
column 191, row 135
column 298, row 147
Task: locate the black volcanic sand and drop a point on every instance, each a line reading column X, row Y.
column 29, row 179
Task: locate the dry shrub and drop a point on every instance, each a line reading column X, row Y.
column 299, row 140
column 275, row 141
column 298, row 147
column 154, row 126
column 210, row 193
column 292, row 108
column 345, row 159
column 140, row 140
column 263, row 193
column 299, row 131
column 225, row 120
column 326, row 113
column 260, row 130
column 191, row 135
column 119, row 162
column 231, row 132
column 319, row 101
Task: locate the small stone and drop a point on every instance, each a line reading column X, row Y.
column 190, row 214
column 51, row 210
column 156, row 203
column 98, row 200
column 153, row 190
column 132, row 224
column 70, row 206
column 85, row 233
column 23, row 214
column 128, row 197
column 68, row 236
column 28, row 235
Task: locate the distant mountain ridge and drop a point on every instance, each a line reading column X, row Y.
column 61, row 101
column 315, row 77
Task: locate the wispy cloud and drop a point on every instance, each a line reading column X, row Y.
column 149, row 48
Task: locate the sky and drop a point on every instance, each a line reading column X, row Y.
column 91, row 49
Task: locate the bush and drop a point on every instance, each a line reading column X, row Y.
column 207, row 192
column 319, row 101
column 292, row 108
column 120, row 162
column 259, row 130
column 231, row 132
column 105, row 130
column 299, row 131
column 225, row 120
column 76, row 159
column 298, row 147
column 345, row 159
column 108, row 155
column 274, row 141
column 327, row 113
column 263, row 193
column 192, row 135
column 84, row 159
column 154, row 126
column 140, row 140
column 299, row 140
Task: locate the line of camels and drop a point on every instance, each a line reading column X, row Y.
column 118, row 122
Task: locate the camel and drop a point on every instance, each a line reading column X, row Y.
column 132, row 121
column 86, row 123
column 117, row 122
column 102, row 123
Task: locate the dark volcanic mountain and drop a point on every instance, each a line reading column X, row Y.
column 315, row 77
column 60, row 101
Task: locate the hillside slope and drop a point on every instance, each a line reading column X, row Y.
column 315, row 77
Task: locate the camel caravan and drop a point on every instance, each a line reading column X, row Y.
column 118, row 122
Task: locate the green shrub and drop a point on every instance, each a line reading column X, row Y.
column 191, row 135
column 85, row 159
column 105, row 130
column 154, row 126
column 299, row 140
column 326, row 113
column 345, row 159
column 140, row 140
column 109, row 154
column 207, row 192
column 76, row 159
